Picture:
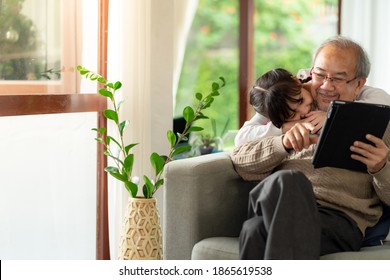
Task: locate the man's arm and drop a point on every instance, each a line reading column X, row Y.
column 255, row 160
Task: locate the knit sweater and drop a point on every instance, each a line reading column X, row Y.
column 357, row 194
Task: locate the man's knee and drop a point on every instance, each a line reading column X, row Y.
column 252, row 239
column 252, row 225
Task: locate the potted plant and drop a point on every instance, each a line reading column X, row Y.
column 137, row 240
column 208, row 143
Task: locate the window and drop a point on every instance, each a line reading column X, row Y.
column 30, row 47
column 211, row 52
column 287, row 31
column 284, row 35
column 41, row 43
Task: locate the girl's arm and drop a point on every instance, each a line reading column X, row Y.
column 256, row 128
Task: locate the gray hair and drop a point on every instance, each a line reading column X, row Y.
column 363, row 64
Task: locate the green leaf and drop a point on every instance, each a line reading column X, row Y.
column 82, row 70
column 110, row 138
column 148, row 187
column 188, row 114
column 117, row 85
column 123, row 125
column 198, row 96
column 181, row 149
column 129, row 147
column 223, row 81
column 194, row 128
column 171, row 138
column 102, row 80
column 158, row 184
column 106, row 93
column 93, row 77
column 114, row 172
column 102, row 130
column 128, row 163
column 131, row 188
column 157, row 162
column 215, row 86
column 201, row 117
column 164, row 157
column 208, row 102
column 111, row 114
column 146, row 191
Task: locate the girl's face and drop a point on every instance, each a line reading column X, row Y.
column 302, row 106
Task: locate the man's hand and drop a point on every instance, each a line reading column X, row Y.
column 299, row 137
column 373, row 155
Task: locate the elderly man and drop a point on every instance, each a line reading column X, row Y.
column 298, row 212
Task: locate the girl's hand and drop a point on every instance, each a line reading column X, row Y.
column 317, row 119
column 299, row 137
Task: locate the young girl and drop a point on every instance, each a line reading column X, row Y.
column 277, row 97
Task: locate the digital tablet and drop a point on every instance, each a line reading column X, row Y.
column 345, row 123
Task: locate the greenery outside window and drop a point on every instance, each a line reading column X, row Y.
column 285, row 34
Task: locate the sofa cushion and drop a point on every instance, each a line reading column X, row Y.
column 380, row 252
column 226, row 248
column 216, row 248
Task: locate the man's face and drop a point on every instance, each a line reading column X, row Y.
column 334, row 77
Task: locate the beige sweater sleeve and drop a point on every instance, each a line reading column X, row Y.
column 256, row 160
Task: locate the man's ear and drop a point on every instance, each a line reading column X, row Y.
column 360, row 84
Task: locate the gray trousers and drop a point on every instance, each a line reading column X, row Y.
column 286, row 223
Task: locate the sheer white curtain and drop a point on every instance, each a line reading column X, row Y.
column 367, row 22
column 146, row 45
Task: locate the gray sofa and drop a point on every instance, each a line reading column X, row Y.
column 205, row 204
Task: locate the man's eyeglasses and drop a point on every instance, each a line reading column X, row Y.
column 322, row 78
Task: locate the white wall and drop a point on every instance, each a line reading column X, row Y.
column 366, row 22
column 48, row 187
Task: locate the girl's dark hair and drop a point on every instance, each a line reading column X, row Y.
column 272, row 91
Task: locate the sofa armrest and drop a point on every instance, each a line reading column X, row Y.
column 203, row 197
